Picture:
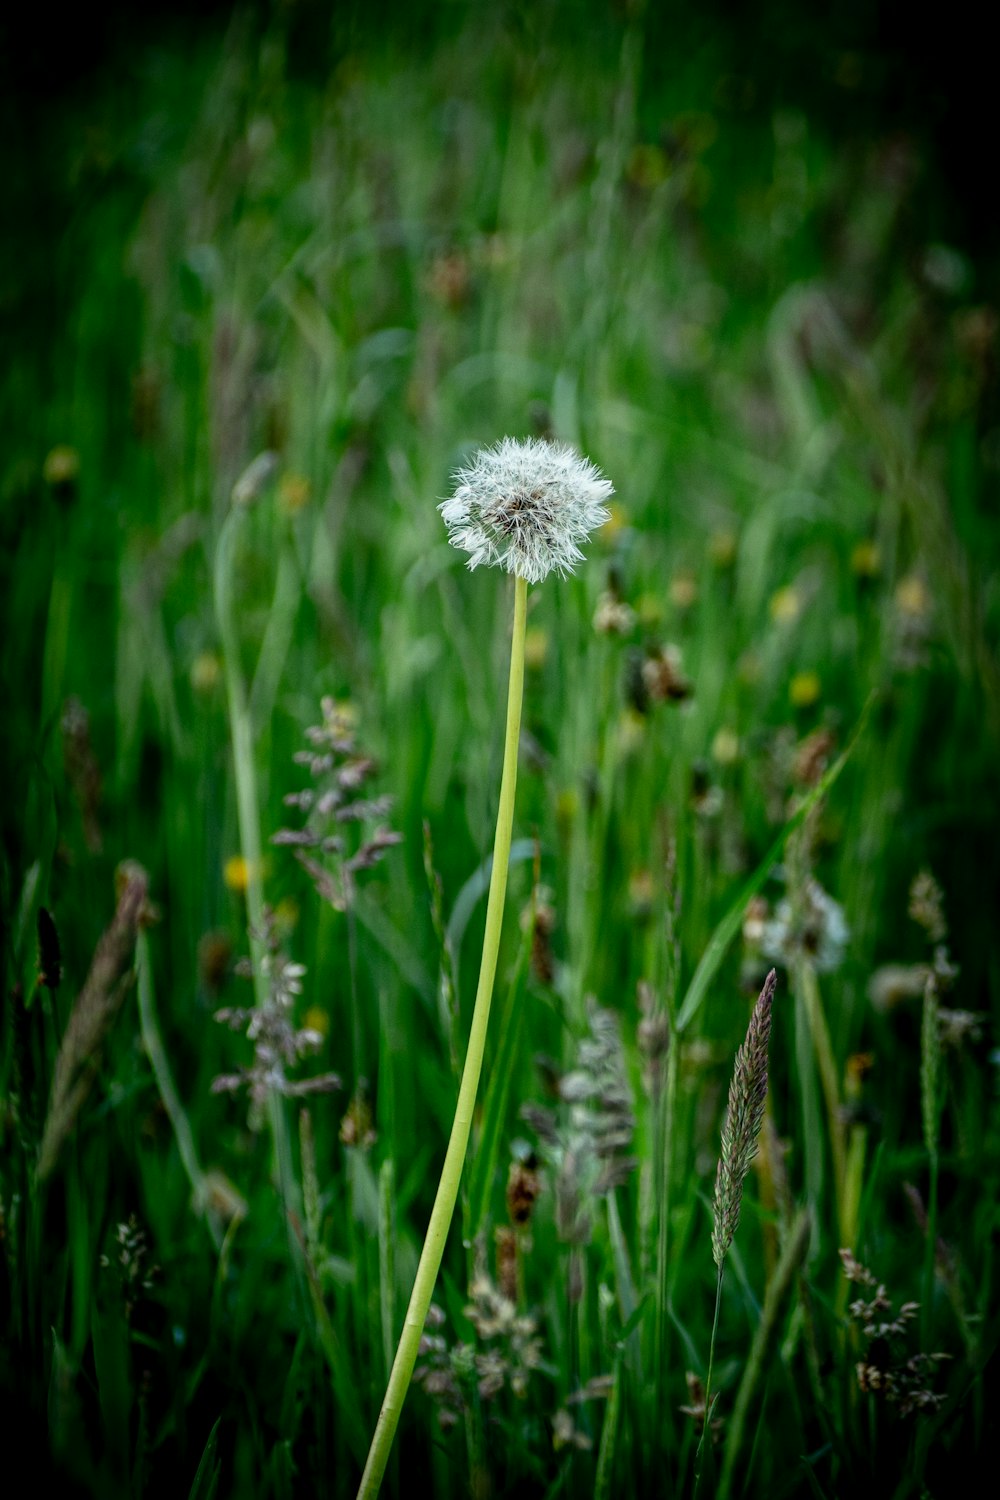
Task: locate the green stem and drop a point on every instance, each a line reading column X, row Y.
column 451, row 1173
column 823, row 1048
column 664, row 1143
column 930, row 1075
column 857, row 1145
column 609, row 1435
column 157, row 1054
column 248, row 816
column 792, row 1256
column 930, row 1250
column 707, row 1425
column 56, row 641
column 241, row 734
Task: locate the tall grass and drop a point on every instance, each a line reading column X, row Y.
column 766, row 704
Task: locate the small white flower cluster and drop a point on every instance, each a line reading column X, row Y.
column 813, row 925
column 526, row 506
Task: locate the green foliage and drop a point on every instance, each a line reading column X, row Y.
column 775, row 678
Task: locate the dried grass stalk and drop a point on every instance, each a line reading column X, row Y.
column 744, row 1118
column 93, row 1014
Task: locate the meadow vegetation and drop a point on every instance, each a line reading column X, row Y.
column 253, row 710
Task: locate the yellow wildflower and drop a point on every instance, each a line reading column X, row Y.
column 236, row 873
column 785, row 606
column 62, row 465
column 912, row 596
column 317, row 1019
column 804, row 689
column 866, row 560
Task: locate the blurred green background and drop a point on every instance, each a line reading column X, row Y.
column 313, row 257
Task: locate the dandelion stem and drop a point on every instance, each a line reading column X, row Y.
column 451, row 1173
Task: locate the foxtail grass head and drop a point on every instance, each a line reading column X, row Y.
column 526, row 507
column 744, row 1118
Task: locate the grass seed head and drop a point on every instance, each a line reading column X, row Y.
column 278, row 1043
column 927, row 907
column 92, row 1017
column 744, row 1118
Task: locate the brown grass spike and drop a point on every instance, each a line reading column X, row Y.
column 93, row 1014
column 744, row 1117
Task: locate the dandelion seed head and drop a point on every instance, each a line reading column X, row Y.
column 526, row 507
column 814, row 925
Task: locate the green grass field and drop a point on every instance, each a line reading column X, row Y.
column 266, row 301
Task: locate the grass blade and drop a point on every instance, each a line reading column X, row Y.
column 206, row 1479
column 733, row 920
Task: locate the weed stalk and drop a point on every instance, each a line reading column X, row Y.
column 930, row 1074
column 740, row 1134
column 248, row 816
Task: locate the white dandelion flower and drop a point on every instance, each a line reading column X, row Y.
column 814, row 926
column 526, row 506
